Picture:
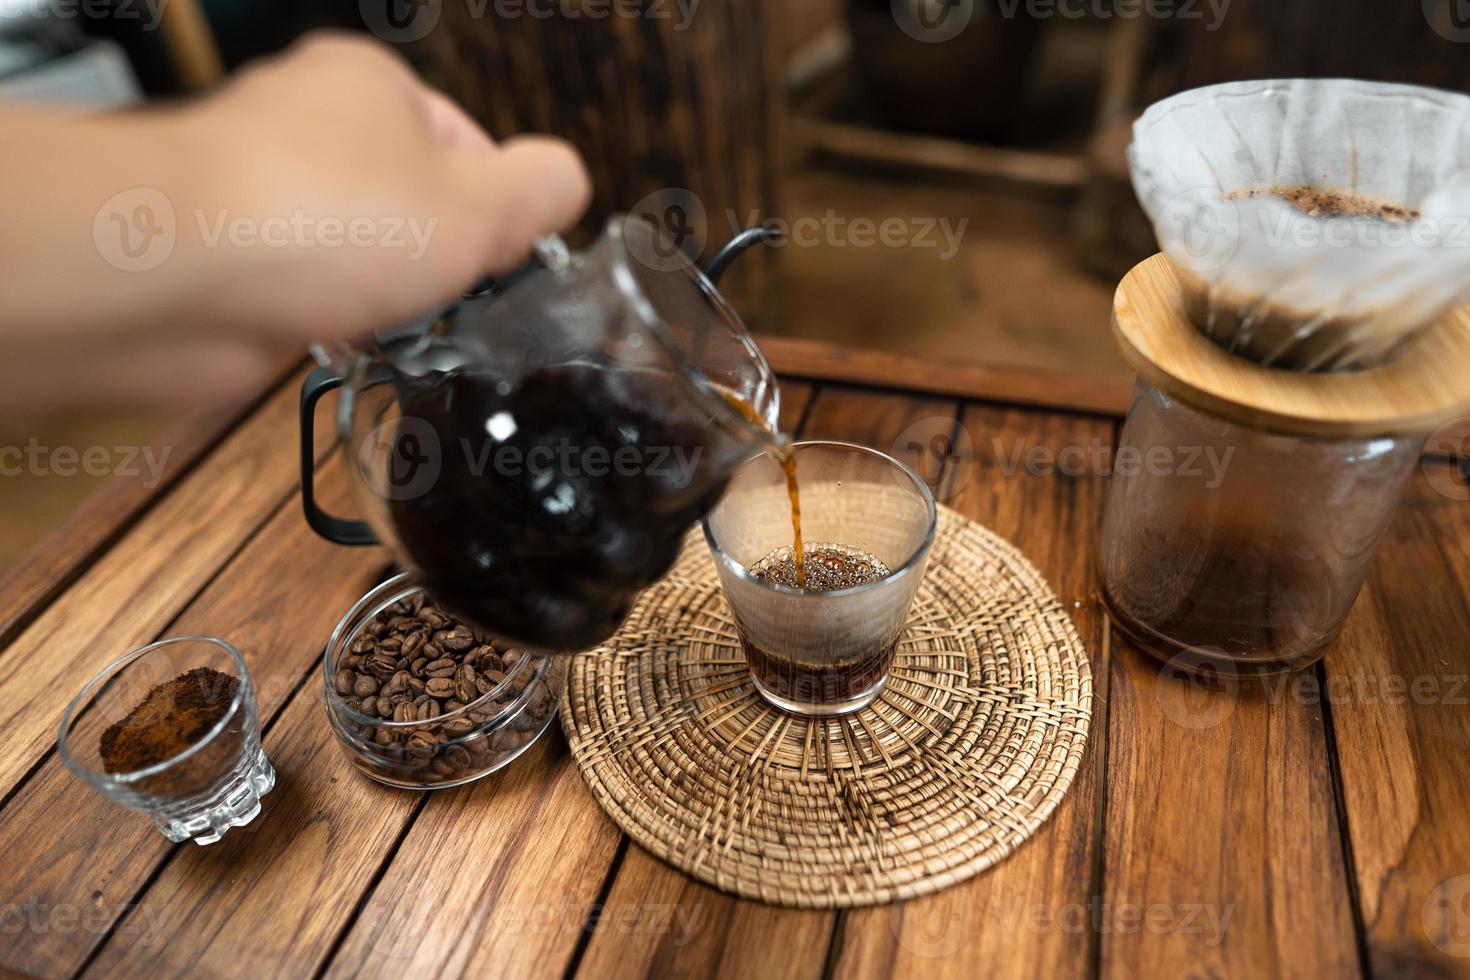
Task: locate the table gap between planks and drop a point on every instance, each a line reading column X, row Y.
column 1305, row 827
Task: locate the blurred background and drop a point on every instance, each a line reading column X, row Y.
column 951, row 173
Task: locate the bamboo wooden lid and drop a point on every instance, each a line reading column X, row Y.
column 1425, row 386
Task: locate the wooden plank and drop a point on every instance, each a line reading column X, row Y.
column 1051, row 170
column 706, row 932
column 823, row 361
column 140, row 584
column 1222, row 854
column 494, row 879
column 1396, row 686
column 1027, row 916
column 64, row 553
column 277, row 602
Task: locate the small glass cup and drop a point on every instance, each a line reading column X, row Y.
column 823, row 653
column 216, row 780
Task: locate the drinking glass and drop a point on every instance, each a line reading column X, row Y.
column 213, row 783
column 822, row 653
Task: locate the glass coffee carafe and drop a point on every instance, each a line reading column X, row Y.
column 535, row 454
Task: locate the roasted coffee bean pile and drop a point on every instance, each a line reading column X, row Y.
column 414, row 663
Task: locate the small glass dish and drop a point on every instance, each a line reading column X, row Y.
column 450, row 749
column 215, row 779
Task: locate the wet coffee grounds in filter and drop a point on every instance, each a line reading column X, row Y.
column 1317, row 202
column 173, row 716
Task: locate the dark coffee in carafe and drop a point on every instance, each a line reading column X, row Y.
column 558, row 499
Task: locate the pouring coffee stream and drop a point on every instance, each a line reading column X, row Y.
column 535, row 454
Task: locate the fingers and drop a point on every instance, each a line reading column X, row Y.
column 532, row 187
column 450, row 126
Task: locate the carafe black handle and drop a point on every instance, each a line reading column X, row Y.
column 335, row 529
column 324, row 379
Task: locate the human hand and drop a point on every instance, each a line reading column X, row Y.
column 319, row 196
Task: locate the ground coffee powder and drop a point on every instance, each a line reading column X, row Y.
column 172, row 717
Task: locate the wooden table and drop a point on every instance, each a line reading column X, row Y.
column 1308, row 828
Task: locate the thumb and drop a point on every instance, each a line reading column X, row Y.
column 527, row 188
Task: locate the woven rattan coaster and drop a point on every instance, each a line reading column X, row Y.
column 971, row 746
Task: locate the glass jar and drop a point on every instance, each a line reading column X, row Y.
column 450, row 749
column 1243, row 550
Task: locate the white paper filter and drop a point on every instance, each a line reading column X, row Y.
column 1268, row 281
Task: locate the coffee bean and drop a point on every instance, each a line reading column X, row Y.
column 363, row 644
column 404, row 712
column 381, row 664
column 398, row 682
column 511, row 657
column 464, row 683
column 431, row 650
column 429, row 709
column 417, row 667
column 459, row 726
column 366, row 686
column 440, row 687
column 411, row 644
column 458, row 639
column 343, row 681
